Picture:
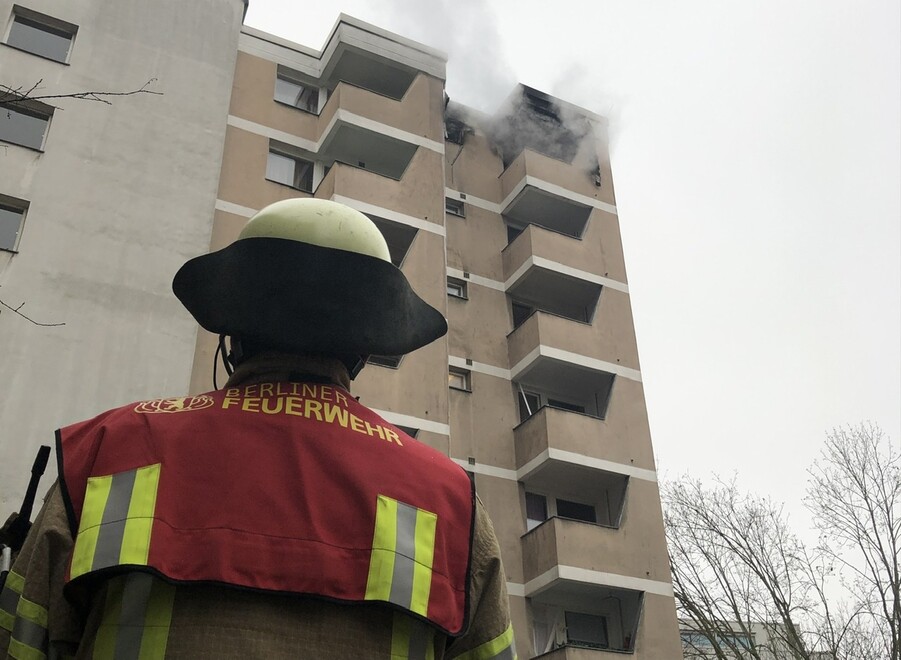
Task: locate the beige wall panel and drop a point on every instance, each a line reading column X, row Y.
column 502, row 502
column 481, row 422
column 242, row 179
column 522, row 632
column 478, row 326
column 437, row 441
column 475, row 169
column 253, row 94
column 627, row 418
column 475, row 243
column 658, row 630
column 636, row 549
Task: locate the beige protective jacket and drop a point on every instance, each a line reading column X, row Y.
column 37, row 621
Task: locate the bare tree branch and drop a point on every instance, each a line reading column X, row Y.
column 15, row 310
column 13, row 96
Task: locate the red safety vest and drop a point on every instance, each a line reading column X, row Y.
column 282, row 487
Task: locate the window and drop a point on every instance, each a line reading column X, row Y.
column 303, row 97
column 290, row 171
column 12, row 217
column 529, row 403
column 24, row 123
column 458, row 379
column 536, row 510
column 390, row 361
column 456, row 288
column 576, row 511
column 454, row 130
column 565, row 405
column 40, row 34
column 586, row 630
column 454, row 207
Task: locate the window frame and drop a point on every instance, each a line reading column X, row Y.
column 44, row 23
column 297, row 160
column 386, row 361
column 292, row 78
column 19, row 207
column 461, row 285
column 465, row 376
column 28, row 108
column 451, row 207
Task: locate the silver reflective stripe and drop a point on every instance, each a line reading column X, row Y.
column 405, row 549
column 135, row 597
column 420, row 638
column 507, row 654
column 112, row 526
column 9, row 600
column 30, row 634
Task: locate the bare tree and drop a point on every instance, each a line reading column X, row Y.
column 855, row 496
column 738, row 569
column 735, row 562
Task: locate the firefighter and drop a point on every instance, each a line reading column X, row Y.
column 276, row 517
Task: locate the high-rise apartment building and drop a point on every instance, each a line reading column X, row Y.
column 506, row 222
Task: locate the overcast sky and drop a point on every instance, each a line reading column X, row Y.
column 756, row 150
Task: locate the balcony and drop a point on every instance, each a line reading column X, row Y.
column 538, row 244
column 367, row 70
column 405, row 114
column 578, row 361
column 551, row 432
column 559, row 544
column 585, row 622
column 545, row 171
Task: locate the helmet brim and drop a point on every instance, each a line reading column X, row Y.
column 304, row 298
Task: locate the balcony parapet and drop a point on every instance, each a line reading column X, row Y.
column 573, row 652
column 600, row 342
column 593, row 549
column 552, row 430
column 556, row 173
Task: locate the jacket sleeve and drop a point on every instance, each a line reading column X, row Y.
column 490, row 632
column 35, row 619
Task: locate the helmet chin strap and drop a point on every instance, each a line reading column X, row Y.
column 228, row 359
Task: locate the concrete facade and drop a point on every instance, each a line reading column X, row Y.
column 524, row 226
column 119, row 196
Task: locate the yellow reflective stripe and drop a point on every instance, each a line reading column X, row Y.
column 411, row 639
column 32, row 612
column 22, row 651
column 95, row 498
column 136, row 618
column 384, row 540
column 426, row 523
column 14, row 582
column 400, row 636
column 136, row 539
column 499, row 647
column 9, row 599
column 157, row 621
column 105, row 639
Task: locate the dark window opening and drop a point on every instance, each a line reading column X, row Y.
column 576, row 511
column 390, row 361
